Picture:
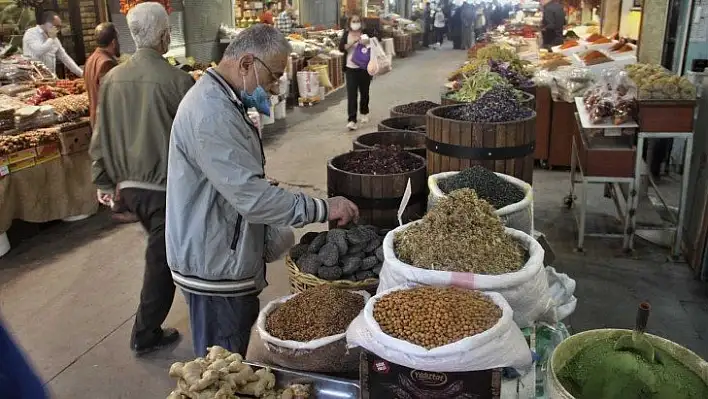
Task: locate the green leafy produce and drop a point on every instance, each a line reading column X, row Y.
column 476, row 85
column 600, row 372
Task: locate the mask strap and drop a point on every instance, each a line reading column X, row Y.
column 255, row 69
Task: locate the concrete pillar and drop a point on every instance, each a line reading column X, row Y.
column 652, row 31
column 610, row 12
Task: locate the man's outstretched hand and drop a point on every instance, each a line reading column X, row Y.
column 342, row 211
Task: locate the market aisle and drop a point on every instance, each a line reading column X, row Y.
column 69, row 295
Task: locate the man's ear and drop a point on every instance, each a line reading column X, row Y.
column 245, row 63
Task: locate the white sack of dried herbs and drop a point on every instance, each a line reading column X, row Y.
column 514, row 212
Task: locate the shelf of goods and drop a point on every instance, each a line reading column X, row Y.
column 607, row 154
column 403, row 44
column 44, row 165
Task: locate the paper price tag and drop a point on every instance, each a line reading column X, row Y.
column 404, row 202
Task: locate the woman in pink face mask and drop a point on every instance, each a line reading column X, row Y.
column 355, row 39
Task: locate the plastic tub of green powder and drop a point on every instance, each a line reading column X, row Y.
column 586, row 366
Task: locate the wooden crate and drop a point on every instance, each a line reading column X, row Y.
column 666, row 116
column 603, row 156
column 543, row 122
column 561, row 137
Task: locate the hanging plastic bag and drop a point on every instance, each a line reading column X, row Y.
column 308, row 84
column 518, row 216
column 526, row 290
column 503, row 345
column 380, row 63
column 327, row 354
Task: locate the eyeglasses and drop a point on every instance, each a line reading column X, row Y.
column 274, row 76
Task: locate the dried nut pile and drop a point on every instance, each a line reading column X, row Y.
column 460, row 234
column 354, row 254
column 380, row 161
column 71, row 106
column 22, row 141
column 488, row 186
column 435, row 316
column 318, row 312
column 416, row 108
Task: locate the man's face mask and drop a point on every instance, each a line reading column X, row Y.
column 259, row 99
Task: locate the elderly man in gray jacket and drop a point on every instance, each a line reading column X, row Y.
column 220, row 207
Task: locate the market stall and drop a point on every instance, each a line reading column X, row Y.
column 45, row 170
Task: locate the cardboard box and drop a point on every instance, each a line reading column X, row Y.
column 18, row 166
column 47, row 152
column 22, row 155
column 75, row 137
column 380, row 378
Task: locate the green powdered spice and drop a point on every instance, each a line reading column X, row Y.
column 601, row 372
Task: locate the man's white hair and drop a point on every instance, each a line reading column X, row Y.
column 148, row 22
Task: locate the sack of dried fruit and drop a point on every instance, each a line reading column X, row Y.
column 512, row 198
column 442, row 329
column 306, row 331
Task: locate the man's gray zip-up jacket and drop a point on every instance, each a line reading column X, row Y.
column 218, row 200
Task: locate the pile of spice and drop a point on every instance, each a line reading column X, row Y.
column 461, row 234
column 600, row 371
column 319, row 312
column 488, row 186
column 435, row 316
column 383, row 160
column 416, row 108
column 499, row 104
column 354, row 254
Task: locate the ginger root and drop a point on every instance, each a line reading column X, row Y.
column 217, row 352
column 208, row 378
column 265, row 382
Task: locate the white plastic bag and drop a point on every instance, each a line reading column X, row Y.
column 278, row 242
column 308, row 84
column 328, row 354
column 379, row 63
column 526, row 290
column 518, row 216
column 503, row 345
column 562, row 289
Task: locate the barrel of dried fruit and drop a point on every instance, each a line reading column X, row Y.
column 379, row 196
column 410, row 123
column 505, row 147
column 527, row 99
column 409, row 141
column 413, row 109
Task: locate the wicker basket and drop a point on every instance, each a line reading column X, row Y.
column 300, row 281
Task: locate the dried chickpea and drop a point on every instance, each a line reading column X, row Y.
column 435, row 316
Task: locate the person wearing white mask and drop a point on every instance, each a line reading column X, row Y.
column 357, row 76
column 40, row 43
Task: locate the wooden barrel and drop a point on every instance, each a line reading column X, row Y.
column 501, row 147
column 410, row 141
column 527, row 99
column 396, row 112
column 379, row 196
column 410, row 123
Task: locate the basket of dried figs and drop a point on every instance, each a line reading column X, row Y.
column 307, row 331
column 348, row 258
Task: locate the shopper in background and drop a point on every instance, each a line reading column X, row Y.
column 468, row 17
column 427, row 24
column 102, row 60
column 137, row 103
column 357, row 77
column 284, row 22
column 454, row 24
column 40, row 43
column 552, row 24
column 439, row 23
column 17, row 379
column 221, row 208
column 267, row 17
column 481, row 22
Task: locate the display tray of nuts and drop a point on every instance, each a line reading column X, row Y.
column 353, row 254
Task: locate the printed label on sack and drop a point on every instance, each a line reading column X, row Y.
column 404, row 202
